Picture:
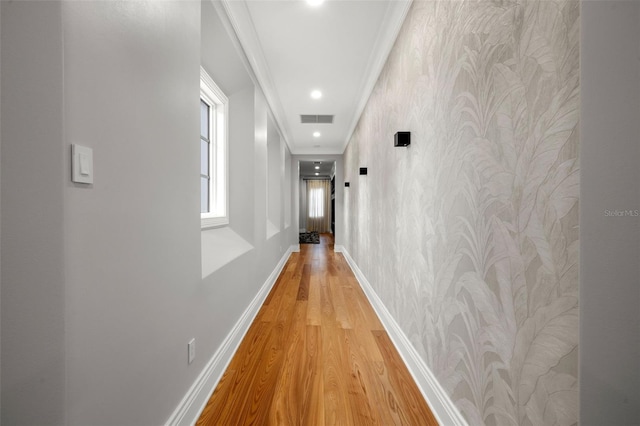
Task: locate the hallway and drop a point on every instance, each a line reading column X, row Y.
column 316, row 354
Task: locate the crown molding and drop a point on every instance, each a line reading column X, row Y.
column 239, row 18
column 239, row 23
column 389, row 29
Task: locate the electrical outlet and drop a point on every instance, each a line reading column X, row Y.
column 191, row 350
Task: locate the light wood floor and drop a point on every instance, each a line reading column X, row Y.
column 316, row 354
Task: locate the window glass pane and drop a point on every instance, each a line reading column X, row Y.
column 204, row 195
column 204, row 119
column 204, row 158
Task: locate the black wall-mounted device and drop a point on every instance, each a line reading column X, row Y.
column 363, row 170
column 402, row 139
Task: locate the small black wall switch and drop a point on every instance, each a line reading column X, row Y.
column 346, row 184
column 363, row 170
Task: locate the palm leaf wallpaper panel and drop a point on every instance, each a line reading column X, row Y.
column 473, row 245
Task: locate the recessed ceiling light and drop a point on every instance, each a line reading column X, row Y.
column 317, row 167
column 315, row 3
column 317, row 174
column 316, row 134
column 316, row 94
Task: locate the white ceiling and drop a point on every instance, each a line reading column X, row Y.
column 308, row 168
column 338, row 47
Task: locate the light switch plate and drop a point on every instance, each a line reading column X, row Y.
column 191, row 350
column 81, row 164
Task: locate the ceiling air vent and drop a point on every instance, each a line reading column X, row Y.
column 312, row 119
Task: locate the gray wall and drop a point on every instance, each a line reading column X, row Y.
column 275, row 175
column 33, row 179
column 132, row 238
column 302, row 204
column 241, row 201
column 610, row 244
column 284, row 189
column 609, row 226
column 0, row 212
column 469, row 235
column 102, row 285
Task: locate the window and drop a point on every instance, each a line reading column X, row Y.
column 316, row 203
column 213, row 153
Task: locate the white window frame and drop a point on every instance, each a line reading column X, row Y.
column 211, row 94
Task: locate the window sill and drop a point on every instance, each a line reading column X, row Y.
column 213, row 222
column 219, row 247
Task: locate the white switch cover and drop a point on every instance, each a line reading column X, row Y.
column 81, row 164
column 191, row 350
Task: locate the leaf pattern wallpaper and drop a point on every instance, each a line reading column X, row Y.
column 470, row 235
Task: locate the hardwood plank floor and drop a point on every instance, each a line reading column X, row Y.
column 316, row 354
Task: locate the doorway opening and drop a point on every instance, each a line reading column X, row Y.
column 317, row 197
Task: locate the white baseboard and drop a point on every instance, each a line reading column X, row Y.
column 338, row 248
column 441, row 405
column 295, row 248
column 194, row 401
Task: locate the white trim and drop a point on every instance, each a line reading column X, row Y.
column 295, row 248
column 222, row 9
column 239, row 18
column 338, row 248
column 390, row 28
column 213, row 222
column 211, row 85
column 212, row 95
column 441, row 405
column 192, row 404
